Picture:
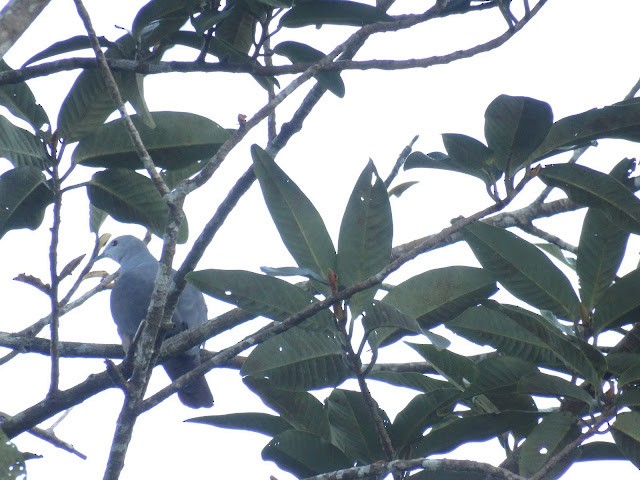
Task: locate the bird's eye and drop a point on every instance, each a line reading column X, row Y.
column 114, row 243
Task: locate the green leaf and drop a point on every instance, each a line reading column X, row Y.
column 620, row 120
column 239, row 28
column 159, row 17
column 19, row 100
column 546, row 440
column 179, row 139
column 96, row 218
column 441, row 161
column 299, row 359
column 626, row 434
column 543, row 385
column 24, row 196
column 297, row 220
column 599, row 451
column 514, row 127
column 72, row 44
column 291, row 272
column 300, row 409
column 259, row 294
column 332, row 12
column 498, row 375
column 264, row 423
column 298, row 52
column 352, row 429
column 630, row 397
column 132, row 88
column 88, row 103
column 12, row 465
column 438, row 295
column 523, row 334
column 223, row 50
column 304, row 455
column 595, row 189
column 131, row 198
column 557, row 253
column 366, row 232
column 457, row 369
column 420, row 413
column 399, row 189
column 412, row 380
column 630, row 375
column 278, row 3
column 522, row 269
column 601, row 248
column 473, row 428
column 20, row 147
column 620, row 303
column 471, row 156
column 380, row 315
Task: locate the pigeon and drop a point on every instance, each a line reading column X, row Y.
column 130, row 298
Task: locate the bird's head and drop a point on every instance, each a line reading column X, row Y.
column 122, row 248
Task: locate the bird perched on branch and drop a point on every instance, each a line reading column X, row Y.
column 130, row 300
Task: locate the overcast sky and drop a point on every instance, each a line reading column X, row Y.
column 576, row 55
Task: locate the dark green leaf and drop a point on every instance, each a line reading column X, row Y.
column 541, row 384
column 420, row 413
column 601, row 248
column 88, row 104
column 291, row 272
column 620, row 120
column 438, row 295
column 528, row 336
column 304, row 455
column 630, row 375
column 630, row 397
column 379, row 315
column 239, row 28
column 259, row 294
column 96, row 218
column 12, row 465
column 595, row 189
column 522, row 269
column 297, row 220
column 514, row 127
column 413, row 380
column 131, row 198
column 152, row 19
column 300, row 409
column 224, row 51
column 557, row 253
column 599, row 451
column 457, row 369
column 19, row 100
column 178, row 140
column 207, row 19
column 173, row 177
column 473, row 428
column 132, row 88
column 498, row 375
column 299, row 359
column 352, row 429
column 20, row 147
column 24, row 196
column 366, row 231
column 441, row 161
column 72, row 44
column 546, row 440
column 298, row 52
column 626, row 433
column 332, row 12
column 264, row 423
column 620, row 303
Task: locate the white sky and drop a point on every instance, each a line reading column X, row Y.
column 576, row 55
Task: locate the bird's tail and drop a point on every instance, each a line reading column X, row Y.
column 197, row 393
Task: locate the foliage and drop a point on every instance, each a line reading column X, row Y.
column 545, row 347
